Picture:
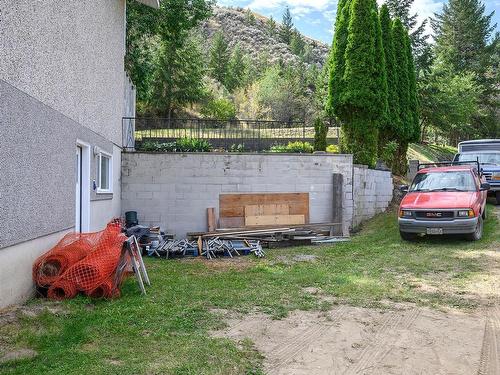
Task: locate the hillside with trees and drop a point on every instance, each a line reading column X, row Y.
column 385, row 81
column 222, row 63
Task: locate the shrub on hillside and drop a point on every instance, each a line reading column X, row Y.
column 320, row 134
column 333, row 149
column 219, row 109
column 293, row 147
column 180, row 145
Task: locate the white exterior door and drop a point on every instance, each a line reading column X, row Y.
column 78, row 190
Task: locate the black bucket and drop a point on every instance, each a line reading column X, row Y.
column 131, row 218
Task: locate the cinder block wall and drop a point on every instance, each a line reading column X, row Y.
column 372, row 193
column 174, row 190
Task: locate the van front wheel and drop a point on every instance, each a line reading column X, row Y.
column 478, row 233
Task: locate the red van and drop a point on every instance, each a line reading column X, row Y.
column 444, row 200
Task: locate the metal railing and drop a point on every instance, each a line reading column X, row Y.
column 249, row 135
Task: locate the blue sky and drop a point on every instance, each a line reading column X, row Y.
column 315, row 18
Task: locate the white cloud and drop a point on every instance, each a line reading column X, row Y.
column 293, row 4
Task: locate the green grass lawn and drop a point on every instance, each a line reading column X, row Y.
column 431, row 153
column 167, row 331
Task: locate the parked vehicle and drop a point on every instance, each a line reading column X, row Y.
column 487, row 153
column 444, row 200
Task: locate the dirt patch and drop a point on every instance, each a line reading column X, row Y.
column 17, row 355
column 12, row 314
column 305, row 258
column 351, row 340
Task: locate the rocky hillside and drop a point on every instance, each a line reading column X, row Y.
column 253, row 35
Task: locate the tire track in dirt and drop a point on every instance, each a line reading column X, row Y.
column 283, row 354
column 380, row 345
column 489, row 363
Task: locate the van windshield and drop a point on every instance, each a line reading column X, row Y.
column 443, row 181
column 484, row 158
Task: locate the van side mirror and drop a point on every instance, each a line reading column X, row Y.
column 404, row 188
column 485, row 187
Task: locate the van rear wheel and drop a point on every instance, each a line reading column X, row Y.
column 497, row 194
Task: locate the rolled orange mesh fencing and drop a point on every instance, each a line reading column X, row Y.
column 82, row 263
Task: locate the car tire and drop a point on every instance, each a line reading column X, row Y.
column 478, row 233
column 408, row 236
column 484, row 215
column 497, row 194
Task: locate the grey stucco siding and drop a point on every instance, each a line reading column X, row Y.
column 38, row 167
column 68, row 54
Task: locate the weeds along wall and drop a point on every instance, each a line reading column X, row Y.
column 174, row 190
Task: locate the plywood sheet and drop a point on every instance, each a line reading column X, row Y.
column 274, row 220
column 232, row 206
column 267, row 209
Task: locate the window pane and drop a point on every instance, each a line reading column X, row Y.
column 104, row 170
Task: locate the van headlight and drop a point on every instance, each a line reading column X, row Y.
column 405, row 213
column 466, row 213
column 496, row 176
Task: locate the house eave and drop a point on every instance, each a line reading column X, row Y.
column 151, row 3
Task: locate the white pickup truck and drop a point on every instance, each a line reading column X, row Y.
column 487, row 153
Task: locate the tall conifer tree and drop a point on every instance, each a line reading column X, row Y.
column 390, row 126
column 362, row 98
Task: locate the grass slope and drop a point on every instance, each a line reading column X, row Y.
column 431, row 153
column 167, row 332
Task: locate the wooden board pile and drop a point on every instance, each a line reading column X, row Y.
column 272, row 237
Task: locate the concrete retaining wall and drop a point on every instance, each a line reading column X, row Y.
column 372, row 193
column 174, row 190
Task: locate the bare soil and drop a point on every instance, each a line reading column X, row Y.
column 353, row 340
column 399, row 339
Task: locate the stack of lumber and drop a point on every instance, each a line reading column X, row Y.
column 277, row 236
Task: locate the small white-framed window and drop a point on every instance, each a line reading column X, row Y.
column 104, row 173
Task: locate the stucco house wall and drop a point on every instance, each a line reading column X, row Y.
column 62, row 80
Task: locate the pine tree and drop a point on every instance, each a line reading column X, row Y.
column 219, row 58
column 462, row 31
column 463, row 34
column 237, row 69
column 249, row 17
column 271, row 26
column 401, row 9
column 178, row 79
column 297, row 44
column 419, row 39
column 390, row 126
column 364, row 100
column 286, row 30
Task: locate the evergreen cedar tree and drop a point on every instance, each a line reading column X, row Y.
column 372, row 85
column 391, row 125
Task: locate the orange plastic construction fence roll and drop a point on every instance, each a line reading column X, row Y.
column 83, row 262
column 100, row 264
column 106, row 289
column 62, row 289
column 72, row 248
